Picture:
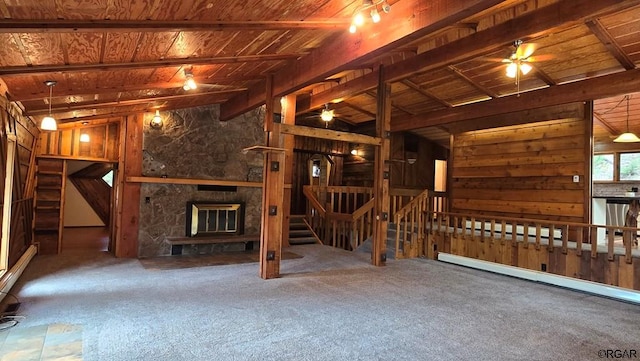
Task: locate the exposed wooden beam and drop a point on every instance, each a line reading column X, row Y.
column 337, row 93
column 39, row 69
column 409, row 21
column 327, row 134
column 359, row 109
column 75, row 26
column 469, row 81
column 425, row 93
column 603, row 123
column 610, row 43
column 542, row 75
column 532, row 24
column 393, row 105
column 99, row 105
column 65, row 92
column 594, row 88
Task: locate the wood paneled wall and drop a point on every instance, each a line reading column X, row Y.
column 103, row 142
column 525, row 170
column 26, row 134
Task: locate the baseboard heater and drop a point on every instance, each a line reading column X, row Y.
column 595, row 288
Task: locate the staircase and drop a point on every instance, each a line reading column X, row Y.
column 299, row 233
column 48, row 207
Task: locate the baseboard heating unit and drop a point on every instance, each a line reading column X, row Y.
column 600, row 289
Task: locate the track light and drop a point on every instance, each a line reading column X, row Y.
column 375, row 16
column 372, row 7
column 48, row 122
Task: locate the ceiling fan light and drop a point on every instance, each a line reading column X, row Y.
column 326, row 115
column 525, row 68
column 512, row 70
column 48, row 123
column 375, row 16
column 627, row 138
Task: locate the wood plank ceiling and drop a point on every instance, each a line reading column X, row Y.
column 443, row 57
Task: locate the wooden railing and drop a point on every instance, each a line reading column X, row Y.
column 586, row 251
column 343, row 216
column 410, row 222
column 339, row 223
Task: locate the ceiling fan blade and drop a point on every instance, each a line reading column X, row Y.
column 526, row 50
column 543, row 57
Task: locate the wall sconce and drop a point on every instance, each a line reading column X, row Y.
column 411, row 160
column 354, row 152
column 156, row 121
column 84, row 138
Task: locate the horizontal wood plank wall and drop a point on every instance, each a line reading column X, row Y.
column 103, row 142
column 524, row 170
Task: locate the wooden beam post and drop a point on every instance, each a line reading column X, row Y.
column 129, row 209
column 381, row 173
column 272, row 195
column 288, row 104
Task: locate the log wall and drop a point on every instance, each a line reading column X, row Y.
column 525, row 170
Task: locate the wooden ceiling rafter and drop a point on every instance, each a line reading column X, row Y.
column 77, row 26
column 460, row 74
column 540, row 22
column 610, row 43
column 597, row 118
column 347, row 49
column 595, row 88
column 359, row 109
column 126, row 102
column 62, row 92
column 40, row 69
column 425, row 92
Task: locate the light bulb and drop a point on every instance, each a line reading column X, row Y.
column 156, row 121
column 525, row 68
column 326, row 115
column 358, row 19
column 84, row 138
column 352, row 28
column 375, row 16
column 512, row 69
column 192, row 83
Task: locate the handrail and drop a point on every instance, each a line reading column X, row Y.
column 306, row 190
column 362, row 210
column 410, row 222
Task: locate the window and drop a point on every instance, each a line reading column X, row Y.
column 629, row 166
column 602, row 167
column 108, row 178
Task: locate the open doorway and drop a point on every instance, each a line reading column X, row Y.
column 87, row 206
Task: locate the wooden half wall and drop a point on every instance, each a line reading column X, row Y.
column 526, row 170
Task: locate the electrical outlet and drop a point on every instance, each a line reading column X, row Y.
column 576, row 179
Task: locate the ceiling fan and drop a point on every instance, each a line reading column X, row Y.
column 518, row 63
column 326, row 115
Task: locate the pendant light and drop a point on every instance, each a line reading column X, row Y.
column 48, row 122
column 627, row 137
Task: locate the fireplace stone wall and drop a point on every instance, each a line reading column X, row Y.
column 193, row 143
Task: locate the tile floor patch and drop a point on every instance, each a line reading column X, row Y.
column 42, row 343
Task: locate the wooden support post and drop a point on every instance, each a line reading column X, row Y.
column 288, row 104
column 272, row 195
column 126, row 244
column 381, row 173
